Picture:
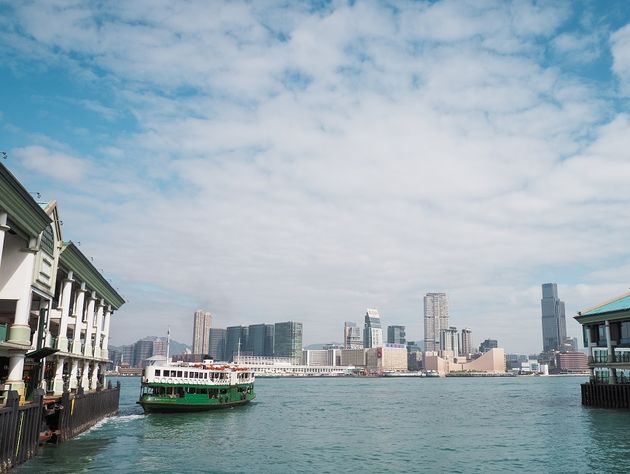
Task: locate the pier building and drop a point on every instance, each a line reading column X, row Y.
column 606, row 333
column 55, row 306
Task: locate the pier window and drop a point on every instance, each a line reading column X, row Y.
column 601, row 335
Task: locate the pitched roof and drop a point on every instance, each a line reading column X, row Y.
column 619, row 303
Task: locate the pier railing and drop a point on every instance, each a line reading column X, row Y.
column 19, row 430
column 82, row 410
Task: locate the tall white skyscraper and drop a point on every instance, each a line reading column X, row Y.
column 466, row 346
column 372, row 330
column 201, row 332
column 435, row 318
column 554, row 325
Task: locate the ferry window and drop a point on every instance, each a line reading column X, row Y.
column 205, row 375
column 166, row 373
column 185, row 374
column 193, row 375
column 179, row 373
column 157, row 372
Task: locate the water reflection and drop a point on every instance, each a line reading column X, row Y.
column 609, row 443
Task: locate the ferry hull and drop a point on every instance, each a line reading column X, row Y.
column 166, row 407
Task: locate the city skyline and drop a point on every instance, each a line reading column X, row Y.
column 301, row 161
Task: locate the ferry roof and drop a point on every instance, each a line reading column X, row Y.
column 613, row 309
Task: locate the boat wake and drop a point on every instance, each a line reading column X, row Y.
column 115, row 420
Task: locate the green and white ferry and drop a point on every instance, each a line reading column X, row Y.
column 185, row 387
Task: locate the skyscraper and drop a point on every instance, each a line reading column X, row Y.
column 396, row 335
column 435, row 318
column 216, row 344
column 201, row 332
column 288, row 340
column 466, row 346
column 554, row 325
column 372, row 331
column 260, row 340
column 352, row 338
column 235, row 341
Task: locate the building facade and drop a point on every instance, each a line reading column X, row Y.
column 554, row 325
column 260, row 340
column 396, row 335
column 216, row 344
column 466, row 348
column 235, row 341
column 435, row 318
column 372, row 330
column 449, row 340
column 352, row 337
column 201, row 331
column 488, row 344
column 55, row 306
column 288, row 340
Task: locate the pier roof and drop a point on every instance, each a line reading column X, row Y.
column 616, row 308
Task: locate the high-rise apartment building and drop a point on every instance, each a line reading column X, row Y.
column 235, row 341
column 201, row 331
column 449, row 340
column 554, row 325
column 352, row 337
column 466, row 345
column 372, row 331
column 288, row 340
column 260, row 340
column 159, row 347
column 216, row 344
column 396, row 335
column 488, row 344
column 435, row 318
column 127, row 355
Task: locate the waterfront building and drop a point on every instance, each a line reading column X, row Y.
column 396, row 335
column 466, row 346
column 380, row 359
column 372, row 331
column 488, row 344
column 115, row 356
column 216, row 343
column 159, row 347
column 320, row 357
column 572, row 363
column 449, row 340
column 606, row 334
column 288, row 340
column 235, row 341
column 352, row 337
column 260, row 340
column 201, row 331
column 491, row 362
column 55, row 306
column 554, row 326
column 352, row 357
column 435, row 318
column 288, row 367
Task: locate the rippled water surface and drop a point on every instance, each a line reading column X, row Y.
column 525, row 424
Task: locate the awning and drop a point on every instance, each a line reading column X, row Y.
column 41, row 353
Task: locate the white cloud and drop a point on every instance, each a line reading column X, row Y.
column 57, row 165
column 620, row 46
column 299, row 165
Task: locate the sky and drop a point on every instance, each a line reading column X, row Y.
column 273, row 161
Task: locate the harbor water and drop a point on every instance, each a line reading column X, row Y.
column 520, row 424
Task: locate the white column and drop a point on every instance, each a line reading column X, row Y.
column 108, row 317
column 78, row 318
column 58, row 382
column 611, row 355
column 89, row 322
column 3, row 229
column 74, row 371
column 99, row 329
column 20, row 331
column 66, row 292
column 84, row 377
